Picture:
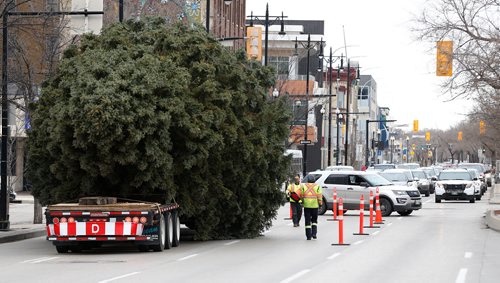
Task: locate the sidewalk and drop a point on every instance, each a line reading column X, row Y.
column 21, row 220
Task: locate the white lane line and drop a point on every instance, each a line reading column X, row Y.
column 45, row 259
column 375, row 233
column 461, row 275
column 428, row 201
column 231, row 243
column 187, row 257
column 333, row 256
column 358, row 242
column 35, row 259
column 389, row 224
column 468, row 255
column 118, row 277
column 399, row 218
column 289, row 224
column 297, row 275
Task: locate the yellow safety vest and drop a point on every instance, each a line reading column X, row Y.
column 294, row 188
column 311, row 195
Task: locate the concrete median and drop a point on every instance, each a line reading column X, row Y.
column 19, row 233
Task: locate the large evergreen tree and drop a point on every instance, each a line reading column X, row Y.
column 152, row 112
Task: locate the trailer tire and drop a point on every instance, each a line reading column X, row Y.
column 169, row 232
column 62, row 249
column 162, row 235
column 143, row 248
column 176, row 228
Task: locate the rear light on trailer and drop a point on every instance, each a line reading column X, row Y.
column 135, row 219
column 71, row 219
column 55, row 220
column 64, row 220
column 144, row 220
column 128, row 219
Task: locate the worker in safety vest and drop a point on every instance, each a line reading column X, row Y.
column 312, row 199
column 294, row 191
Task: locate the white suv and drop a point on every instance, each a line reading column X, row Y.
column 455, row 184
column 351, row 185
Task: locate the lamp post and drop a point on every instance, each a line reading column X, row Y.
column 227, row 2
column 276, row 93
column 407, row 149
column 392, row 148
column 339, row 118
column 348, row 109
column 379, row 132
column 308, row 45
column 266, row 24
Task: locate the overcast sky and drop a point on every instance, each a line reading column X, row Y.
column 403, row 68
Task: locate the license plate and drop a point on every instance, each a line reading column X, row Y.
column 454, row 193
column 417, row 202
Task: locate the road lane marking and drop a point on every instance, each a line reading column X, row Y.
column 38, row 260
column 461, row 275
column 358, row 242
column 399, row 218
column 297, row 275
column 375, row 233
column 187, row 257
column 468, row 255
column 119, row 277
column 389, row 224
column 333, row 256
column 428, row 201
column 231, row 243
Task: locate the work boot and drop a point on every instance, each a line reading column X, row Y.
column 314, row 230
column 308, row 233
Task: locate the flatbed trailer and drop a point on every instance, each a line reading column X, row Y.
column 83, row 225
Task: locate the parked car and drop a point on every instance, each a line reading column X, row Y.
column 480, row 168
column 432, row 174
column 477, row 183
column 350, row 185
column 399, row 177
column 408, row 166
column 339, row 168
column 455, row 184
column 383, row 167
column 424, row 184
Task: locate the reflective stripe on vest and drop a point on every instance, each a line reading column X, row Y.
column 310, row 193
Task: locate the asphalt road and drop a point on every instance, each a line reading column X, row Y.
column 444, row 242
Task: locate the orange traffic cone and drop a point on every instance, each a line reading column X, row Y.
column 334, row 209
column 371, row 212
column 341, row 224
column 291, row 212
column 361, row 216
column 378, row 213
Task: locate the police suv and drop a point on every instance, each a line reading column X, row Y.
column 455, row 184
column 350, row 185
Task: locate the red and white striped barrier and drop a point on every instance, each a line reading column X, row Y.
column 341, row 224
column 95, row 229
column 361, row 215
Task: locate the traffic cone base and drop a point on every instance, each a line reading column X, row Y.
column 332, row 220
column 341, row 244
column 360, row 234
column 371, row 227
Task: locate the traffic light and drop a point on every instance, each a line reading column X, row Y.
column 427, row 136
column 482, row 127
column 459, row 136
column 415, row 125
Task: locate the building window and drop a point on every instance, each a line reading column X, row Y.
column 53, row 5
column 280, row 63
column 363, row 93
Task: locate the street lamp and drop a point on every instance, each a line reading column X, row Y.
column 308, row 45
column 348, row 107
column 392, row 148
column 339, row 119
column 267, row 23
column 407, row 149
column 276, row 93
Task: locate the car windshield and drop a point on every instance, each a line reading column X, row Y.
column 311, row 178
column 340, row 168
column 419, row 174
column 478, row 167
column 376, row 180
column 429, row 172
column 454, row 176
column 395, row 177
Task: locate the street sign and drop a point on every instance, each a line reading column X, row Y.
column 305, row 142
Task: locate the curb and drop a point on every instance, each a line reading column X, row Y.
column 19, row 235
column 493, row 219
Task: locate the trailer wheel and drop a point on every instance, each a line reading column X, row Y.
column 62, row 249
column 143, row 248
column 160, row 245
column 176, row 228
column 169, row 224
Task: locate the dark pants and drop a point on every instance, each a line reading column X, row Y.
column 311, row 218
column 296, row 212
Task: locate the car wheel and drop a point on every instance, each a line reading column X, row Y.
column 62, row 249
column 405, row 212
column 473, row 200
column 427, row 193
column 322, row 208
column 385, row 207
column 478, row 197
